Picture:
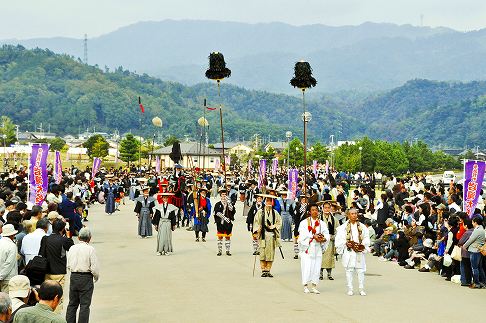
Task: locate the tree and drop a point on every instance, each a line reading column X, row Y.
column 8, row 129
column 170, row 141
column 318, row 152
column 57, row 144
column 296, row 148
column 101, row 149
column 347, row 158
column 129, row 149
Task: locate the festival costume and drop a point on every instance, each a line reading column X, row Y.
column 299, row 214
column 353, row 260
column 202, row 219
column 328, row 258
column 224, row 215
column 269, row 238
column 110, row 192
column 286, row 210
column 144, row 210
column 249, row 224
column 310, row 249
column 164, row 220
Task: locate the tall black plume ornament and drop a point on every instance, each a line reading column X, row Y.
column 303, row 80
column 217, row 67
column 176, row 154
column 217, row 71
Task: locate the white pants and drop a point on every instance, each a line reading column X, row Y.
column 349, row 277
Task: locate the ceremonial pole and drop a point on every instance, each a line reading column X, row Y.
column 303, row 80
column 218, row 71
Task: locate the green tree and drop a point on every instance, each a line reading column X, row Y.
column 368, row 158
column 296, row 149
column 269, row 154
column 468, row 155
column 318, row 152
column 170, row 141
column 129, row 149
column 8, row 130
column 390, row 158
column 347, row 158
column 101, row 146
column 57, row 144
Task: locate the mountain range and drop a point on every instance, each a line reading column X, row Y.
column 41, row 86
column 367, row 57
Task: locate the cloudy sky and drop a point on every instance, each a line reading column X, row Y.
column 73, row 18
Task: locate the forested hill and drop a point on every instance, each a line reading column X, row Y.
column 40, row 86
column 440, row 113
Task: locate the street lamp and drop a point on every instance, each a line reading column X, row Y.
column 288, row 135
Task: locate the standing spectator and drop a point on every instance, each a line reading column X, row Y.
column 56, row 246
column 19, row 291
column 50, row 295
column 466, row 273
column 36, row 216
column 5, row 308
column 475, row 241
column 31, row 242
column 83, row 265
column 8, row 256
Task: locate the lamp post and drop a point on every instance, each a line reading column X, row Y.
column 288, row 135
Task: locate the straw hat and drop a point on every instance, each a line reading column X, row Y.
column 8, row 230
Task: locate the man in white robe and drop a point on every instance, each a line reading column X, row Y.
column 353, row 230
column 313, row 240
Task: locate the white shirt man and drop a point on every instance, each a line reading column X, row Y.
column 311, row 249
column 31, row 242
column 353, row 230
column 8, row 256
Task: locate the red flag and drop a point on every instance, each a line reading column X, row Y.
column 140, row 104
column 209, row 108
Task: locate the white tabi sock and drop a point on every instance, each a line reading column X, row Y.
column 349, row 278
column 220, row 245
column 227, row 245
column 296, row 248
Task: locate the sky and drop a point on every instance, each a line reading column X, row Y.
column 24, row 19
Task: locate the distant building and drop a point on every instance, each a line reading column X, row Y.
column 32, row 136
column 192, row 156
column 278, row 146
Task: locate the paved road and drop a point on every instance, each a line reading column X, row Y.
column 194, row 285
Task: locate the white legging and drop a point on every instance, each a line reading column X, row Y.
column 349, row 277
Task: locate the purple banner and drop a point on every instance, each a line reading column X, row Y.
column 217, row 165
column 327, row 166
column 96, row 167
column 314, row 168
column 157, row 164
column 38, row 180
column 473, row 180
column 262, row 170
column 58, row 167
column 274, row 166
column 227, row 162
column 293, row 182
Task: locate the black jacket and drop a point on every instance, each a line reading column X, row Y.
column 55, row 250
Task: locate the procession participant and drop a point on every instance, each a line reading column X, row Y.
column 164, row 221
column 353, row 242
column 299, row 214
column 328, row 258
column 110, row 190
column 286, row 206
column 144, row 211
column 224, row 215
column 258, row 205
column 313, row 241
column 276, row 204
column 133, row 183
column 201, row 219
column 251, row 191
column 177, row 183
column 266, row 228
column 338, row 214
